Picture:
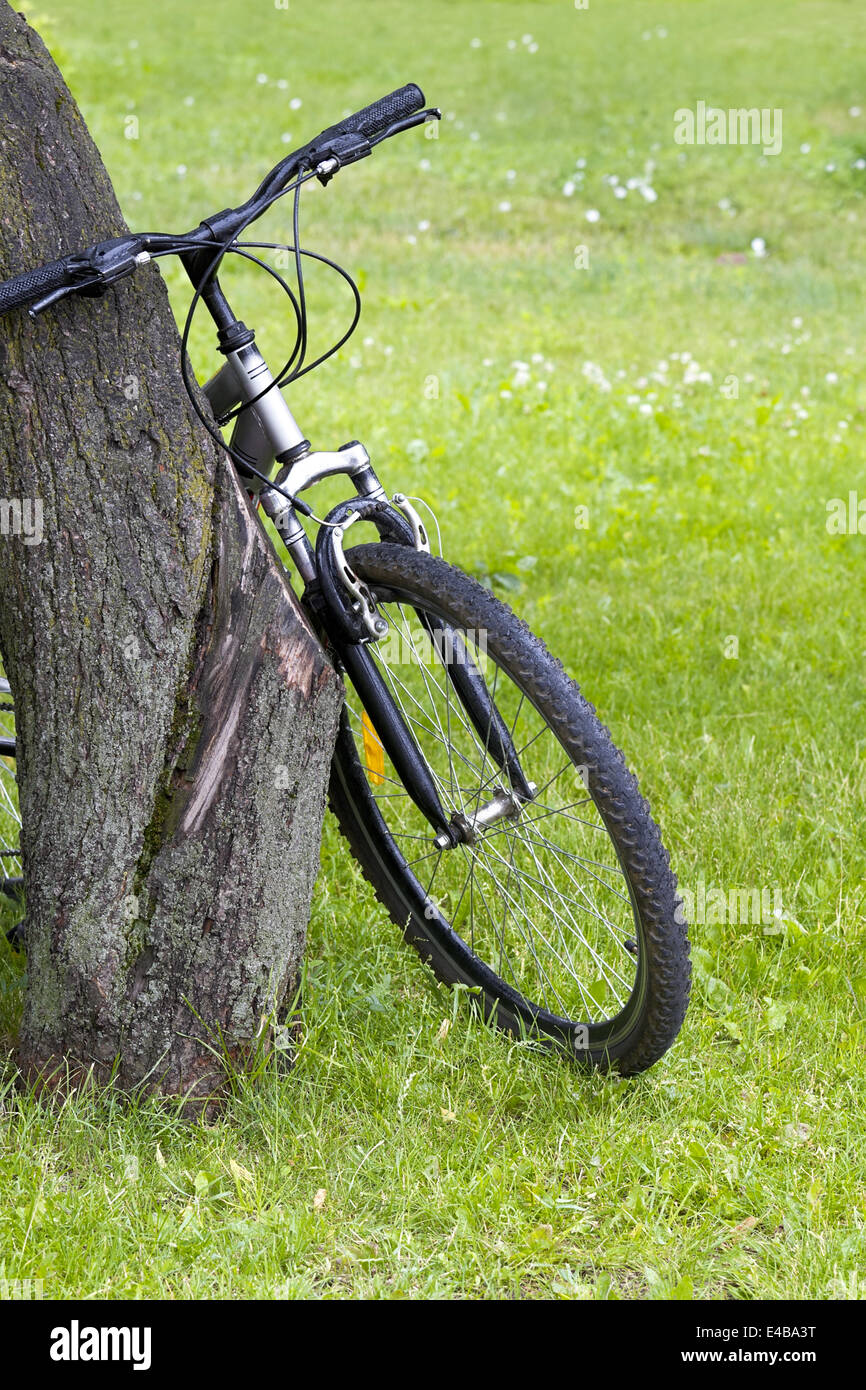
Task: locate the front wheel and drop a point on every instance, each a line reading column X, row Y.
column 560, row 912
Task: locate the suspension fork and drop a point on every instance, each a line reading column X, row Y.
column 349, row 613
column 408, row 760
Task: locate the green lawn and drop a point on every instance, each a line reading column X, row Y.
column 696, row 405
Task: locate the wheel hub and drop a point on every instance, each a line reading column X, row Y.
column 463, row 829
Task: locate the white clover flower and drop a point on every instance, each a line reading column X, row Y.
column 832, row 378
column 632, row 400
column 295, row 104
column 854, row 111
column 181, row 169
column 758, row 245
column 580, row 163
column 505, row 394
column 859, row 163
column 512, row 43
column 474, row 43
column 424, row 225
column 645, row 409
column 527, row 38
column 504, row 206
column 593, row 215
column 425, row 165
column 796, row 322
column 568, row 188
column 830, row 168
column 261, row 78
column 620, row 192
column 286, row 137
column 594, row 373
column 805, row 148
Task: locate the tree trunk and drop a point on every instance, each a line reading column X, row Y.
column 175, row 713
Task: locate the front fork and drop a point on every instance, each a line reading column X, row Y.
column 344, row 611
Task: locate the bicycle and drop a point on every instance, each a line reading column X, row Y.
column 482, row 797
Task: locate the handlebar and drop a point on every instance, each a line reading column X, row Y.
column 33, row 284
column 93, row 270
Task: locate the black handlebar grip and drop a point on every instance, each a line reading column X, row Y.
column 375, row 119
column 33, row 284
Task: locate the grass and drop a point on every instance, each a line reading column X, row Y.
column 704, row 607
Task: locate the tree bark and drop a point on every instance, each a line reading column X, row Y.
column 175, row 714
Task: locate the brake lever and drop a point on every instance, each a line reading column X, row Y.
column 432, row 113
column 346, row 149
column 92, row 271
column 41, row 305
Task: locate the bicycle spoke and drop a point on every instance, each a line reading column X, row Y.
column 535, row 895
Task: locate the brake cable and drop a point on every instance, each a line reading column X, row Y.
column 233, row 246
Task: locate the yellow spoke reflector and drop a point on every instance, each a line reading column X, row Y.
column 374, row 753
